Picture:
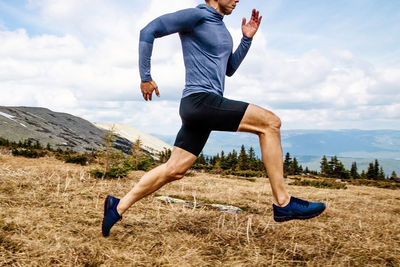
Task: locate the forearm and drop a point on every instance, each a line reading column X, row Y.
column 236, row 58
column 145, row 51
column 153, row 30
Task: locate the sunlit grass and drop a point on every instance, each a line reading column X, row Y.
column 51, row 213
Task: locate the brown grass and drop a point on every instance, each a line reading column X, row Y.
column 51, row 213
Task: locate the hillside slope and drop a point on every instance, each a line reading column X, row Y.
column 60, row 130
column 149, row 143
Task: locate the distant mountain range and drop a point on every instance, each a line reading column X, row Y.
column 308, row 146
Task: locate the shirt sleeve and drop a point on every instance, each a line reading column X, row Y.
column 180, row 21
column 236, row 58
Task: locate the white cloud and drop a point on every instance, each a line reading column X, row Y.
column 19, row 46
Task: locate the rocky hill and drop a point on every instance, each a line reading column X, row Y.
column 60, row 130
column 150, row 143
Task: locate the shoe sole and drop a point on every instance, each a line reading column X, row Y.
column 285, row 219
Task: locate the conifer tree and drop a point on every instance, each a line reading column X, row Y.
column 252, row 159
column 353, row 171
column 136, row 151
column 286, row 163
column 381, row 174
column 332, row 170
column 164, row 155
column 324, row 166
column 260, row 165
column 376, row 169
column 294, row 167
column 108, row 140
column 243, row 159
column 338, row 169
column 201, row 159
column 232, row 160
column 371, row 172
column 139, row 160
column 212, row 161
column 223, row 163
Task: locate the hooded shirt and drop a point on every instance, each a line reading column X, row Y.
column 206, row 44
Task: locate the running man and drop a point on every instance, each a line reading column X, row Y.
column 207, row 50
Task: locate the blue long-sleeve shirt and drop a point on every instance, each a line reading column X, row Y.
column 206, row 44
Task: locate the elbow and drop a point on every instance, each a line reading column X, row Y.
column 147, row 34
column 144, row 34
column 151, row 31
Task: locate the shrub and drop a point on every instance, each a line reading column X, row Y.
column 198, row 166
column 97, row 173
column 77, row 159
column 4, row 142
column 144, row 163
column 28, row 153
column 113, row 172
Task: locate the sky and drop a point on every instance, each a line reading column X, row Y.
column 316, row 64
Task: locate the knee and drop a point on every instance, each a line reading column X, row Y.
column 271, row 123
column 173, row 173
column 276, row 123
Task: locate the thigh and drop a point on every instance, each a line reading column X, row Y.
column 257, row 119
column 228, row 114
column 192, row 139
column 222, row 114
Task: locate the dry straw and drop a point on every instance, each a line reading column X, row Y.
column 51, row 213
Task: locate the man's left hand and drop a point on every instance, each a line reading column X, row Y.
column 249, row 29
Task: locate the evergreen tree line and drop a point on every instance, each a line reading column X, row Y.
column 248, row 161
column 335, row 168
column 28, row 143
column 244, row 163
column 292, row 167
column 245, row 160
column 29, row 148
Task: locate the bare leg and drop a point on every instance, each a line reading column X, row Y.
column 174, row 169
column 267, row 126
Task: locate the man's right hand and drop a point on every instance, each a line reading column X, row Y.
column 148, row 88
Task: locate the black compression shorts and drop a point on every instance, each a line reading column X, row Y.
column 202, row 113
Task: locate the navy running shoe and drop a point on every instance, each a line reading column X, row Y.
column 297, row 209
column 111, row 215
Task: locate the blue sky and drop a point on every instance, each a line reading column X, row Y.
column 369, row 28
column 316, row 64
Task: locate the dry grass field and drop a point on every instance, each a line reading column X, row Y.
column 51, row 214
